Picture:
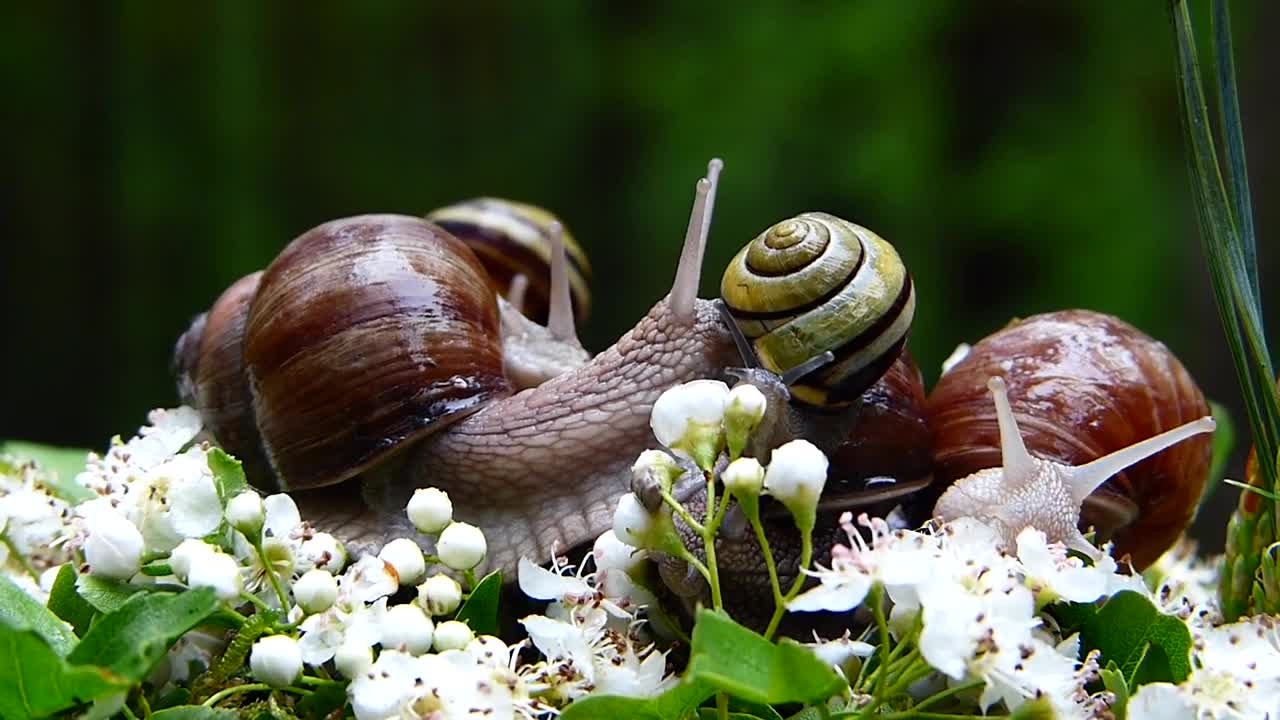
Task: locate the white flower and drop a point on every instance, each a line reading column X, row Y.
column 276, row 660
column 744, row 477
column 324, row 633
column 584, row 652
column 1208, row 693
column 452, row 684
column 899, row 560
column 461, row 546
column 114, row 545
column 610, row 553
column 188, row 553
column 218, row 571
column 655, row 468
column 29, row 516
column 688, row 419
column 322, row 551
column 430, row 510
column 440, row 594
column 387, row 684
column 1249, row 648
column 743, row 412
column 177, row 500
column 796, row 474
column 407, row 628
column 368, row 579
column 1186, row 585
column 353, row 658
column 406, row 558
column 634, row 525
column 281, row 518
column 542, row 584
column 1054, row 575
column 839, row 653
column 246, row 513
column 315, row 591
column 452, row 635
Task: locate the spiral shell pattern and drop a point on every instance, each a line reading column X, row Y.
column 817, row 283
column 512, row 238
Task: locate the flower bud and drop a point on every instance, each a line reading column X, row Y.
column 688, row 419
column 636, row 526
column 353, row 658
column 276, row 660
column 189, row 552
column 452, row 635
column 744, row 477
column 430, row 510
column 406, row 557
column 114, row 546
column 610, row 553
column 246, row 513
column 440, row 594
column 655, row 468
column 315, row 591
column 742, row 415
column 796, row 475
column 323, row 551
column 218, row 571
column 461, row 546
column 407, row 628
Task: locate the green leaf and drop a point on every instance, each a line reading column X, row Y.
column 36, row 682
column 20, row 611
column 106, row 595
column 61, row 466
column 194, row 712
column 713, row 714
column 744, row 664
column 1147, row 645
column 1114, row 682
column 325, row 698
column 674, row 704
column 67, row 604
column 130, row 640
column 228, row 474
column 480, row 611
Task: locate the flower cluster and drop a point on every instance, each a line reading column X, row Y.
column 32, row 519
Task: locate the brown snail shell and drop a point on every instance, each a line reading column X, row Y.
column 366, row 332
column 1082, row 384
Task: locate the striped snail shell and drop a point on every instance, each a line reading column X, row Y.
column 513, row 242
column 815, row 284
column 1082, row 385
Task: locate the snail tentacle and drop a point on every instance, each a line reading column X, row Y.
column 560, row 316
column 1087, row 478
column 684, row 291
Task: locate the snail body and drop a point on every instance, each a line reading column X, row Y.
column 376, row 347
column 1080, row 385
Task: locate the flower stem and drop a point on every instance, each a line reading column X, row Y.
column 709, row 546
column 22, row 559
column 681, row 512
column 949, row 692
column 778, row 601
column 270, row 572
column 876, row 601
column 225, row 693
column 806, row 555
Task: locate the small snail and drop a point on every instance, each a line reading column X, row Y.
column 1084, row 389
column 373, row 347
column 513, row 242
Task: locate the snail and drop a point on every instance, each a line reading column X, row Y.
column 1078, row 397
column 513, row 241
column 373, row 347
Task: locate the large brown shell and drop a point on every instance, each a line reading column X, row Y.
column 1082, row 384
column 212, row 376
column 366, row 333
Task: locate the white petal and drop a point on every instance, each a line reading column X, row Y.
column 541, row 584
column 282, row 515
column 837, row 594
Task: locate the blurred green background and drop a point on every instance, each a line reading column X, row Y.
column 1023, row 157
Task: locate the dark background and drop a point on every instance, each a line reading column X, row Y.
column 1023, row 157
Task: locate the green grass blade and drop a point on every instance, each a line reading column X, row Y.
column 1232, row 129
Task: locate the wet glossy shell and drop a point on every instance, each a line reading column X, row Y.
column 365, row 333
column 513, row 238
column 212, row 378
column 1082, row 385
column 816, row 283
